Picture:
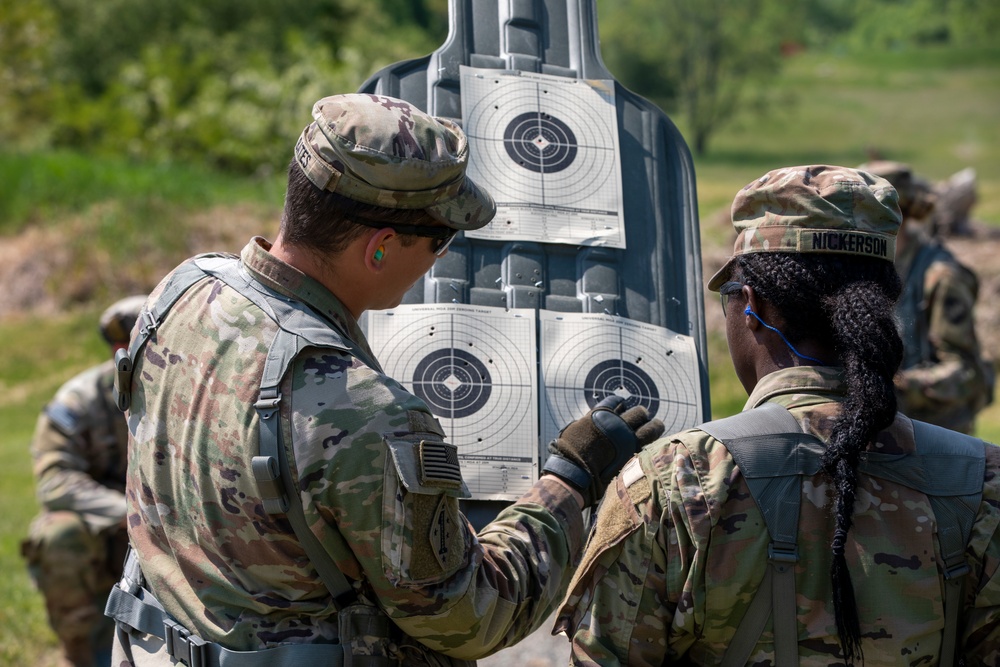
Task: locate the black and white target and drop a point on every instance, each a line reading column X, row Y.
column 475, row 374
column 584, row 362
column 617, row 377
column 453, row 382
column 540, row 142
column 543, row 143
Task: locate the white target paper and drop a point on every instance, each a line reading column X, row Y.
column 476, row 370
column 585, row 358
column 546, row 147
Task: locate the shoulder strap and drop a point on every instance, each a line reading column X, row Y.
column 772, row 453
column 150, row 318
column 958, row 463
column 299, row 327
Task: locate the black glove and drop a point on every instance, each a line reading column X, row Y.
column 590, row 451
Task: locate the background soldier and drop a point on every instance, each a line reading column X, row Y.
column 264, row 353
column 943, row 379
column 76, row 546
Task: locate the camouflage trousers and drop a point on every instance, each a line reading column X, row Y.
column 74, row 570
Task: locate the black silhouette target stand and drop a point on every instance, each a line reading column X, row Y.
column 597, row 226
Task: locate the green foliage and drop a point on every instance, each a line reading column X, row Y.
column 26, row 31
column 882, row 24
column 225, row 82
column 44, row 188
column 701, row 58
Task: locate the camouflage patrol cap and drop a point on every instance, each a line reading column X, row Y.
column 814, row 209
column 385, row 152
column 118, row 319
column 916, row 198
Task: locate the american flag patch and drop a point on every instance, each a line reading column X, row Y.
column 439, row 464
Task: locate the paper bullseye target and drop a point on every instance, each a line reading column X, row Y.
column 547, row 147
column 586, row 358
column 540, row 142
column 453, row 382
column 476, row 371
column 617, row 377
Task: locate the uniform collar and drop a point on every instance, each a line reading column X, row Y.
column 805, row 386
column 798, row 385
column 286, row 279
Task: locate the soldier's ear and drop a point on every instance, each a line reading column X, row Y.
column 375, row 250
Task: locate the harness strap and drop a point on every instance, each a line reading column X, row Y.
column 766, row 443
column 773, row 454
column 299, row 327
column 137, row 608
column 150, row 318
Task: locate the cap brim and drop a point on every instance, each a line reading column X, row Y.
column 473, row 207
column 721, row 276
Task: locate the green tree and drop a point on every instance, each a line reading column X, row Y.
column 226, row 82
column 27, row 29
column 705, row 59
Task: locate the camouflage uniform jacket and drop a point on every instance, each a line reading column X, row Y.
column 942, row 380
column 79, row 450
column 680, row 548
column 353, row 437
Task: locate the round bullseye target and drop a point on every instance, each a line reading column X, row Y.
column 624, row 379
column 540, row 142
column 452, row 382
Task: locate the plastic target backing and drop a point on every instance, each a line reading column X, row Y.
column 585, row 358
column 475, row 368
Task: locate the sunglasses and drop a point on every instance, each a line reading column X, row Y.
column 727, row 290
column 443, row 236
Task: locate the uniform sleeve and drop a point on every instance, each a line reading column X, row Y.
column 617, row 610
column 62, row 472
column 387, row 486
column 982, row 614
column 953, row 381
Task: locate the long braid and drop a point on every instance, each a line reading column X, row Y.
column 848, row 302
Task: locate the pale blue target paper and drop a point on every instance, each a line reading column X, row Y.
column 547, row 146
column 500, row 402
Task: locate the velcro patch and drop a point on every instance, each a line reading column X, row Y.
column 64, row 419
column 423, row 422
column 439, row 464
column 442, row 534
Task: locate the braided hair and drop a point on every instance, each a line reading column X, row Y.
column 847, row 303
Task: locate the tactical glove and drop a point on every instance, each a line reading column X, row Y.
column 590, row 451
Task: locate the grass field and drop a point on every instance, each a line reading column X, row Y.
column 937, row 110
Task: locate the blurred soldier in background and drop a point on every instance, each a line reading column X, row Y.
column 943, row 378
column 76, row 546
column 954, row 198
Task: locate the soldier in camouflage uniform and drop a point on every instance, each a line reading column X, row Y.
column 680, row 547
column 376, row 191
column 943, row 379
column 76, row 546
